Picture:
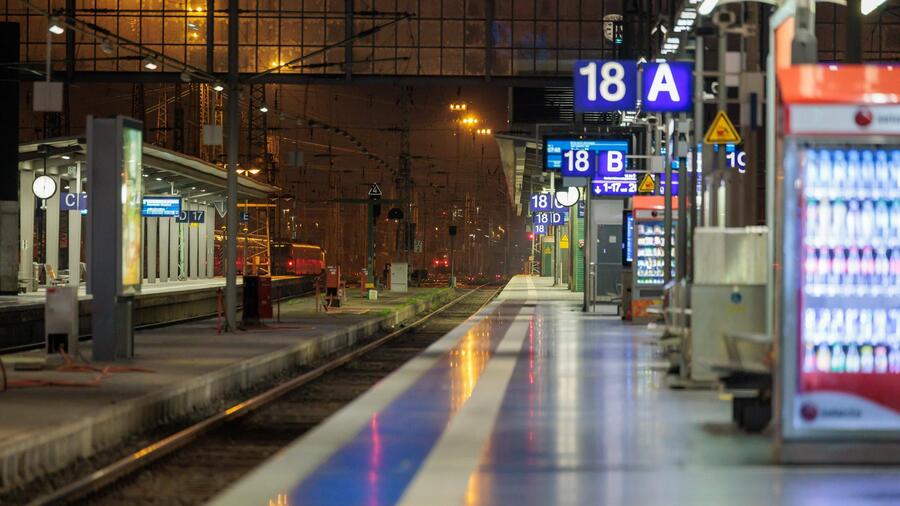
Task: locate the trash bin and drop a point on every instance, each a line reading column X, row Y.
column 257, row 299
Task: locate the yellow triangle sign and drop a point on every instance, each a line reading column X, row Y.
column 564, row 242
column 722, row 131
column 647, row 184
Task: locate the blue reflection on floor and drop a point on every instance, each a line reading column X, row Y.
column 376, row 466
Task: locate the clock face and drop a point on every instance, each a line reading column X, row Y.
column 569, row 197
column 44, row 187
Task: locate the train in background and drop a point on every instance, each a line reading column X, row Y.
column 293, row 259
column 440, row 264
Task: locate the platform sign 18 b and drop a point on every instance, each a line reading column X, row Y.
column 584, row 157
column 545, row 202
column 550, row 218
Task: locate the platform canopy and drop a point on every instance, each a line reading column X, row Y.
column 165, row 171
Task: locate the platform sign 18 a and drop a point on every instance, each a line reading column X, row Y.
column 550, row 218
column 545, row 202
column 611, row 85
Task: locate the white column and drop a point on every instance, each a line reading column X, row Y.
column 164, row 249
column 200, row 245
column 210, row 242
column 75, row 232
column 152, row 255
column 26, row 222
column 52, row 221
column 193, row 256
column 174, row 245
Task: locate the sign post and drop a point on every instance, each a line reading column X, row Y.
column 374, row 208
column 115, row 182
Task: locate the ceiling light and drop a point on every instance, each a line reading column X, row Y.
column 186, row 77
column 867, row 6
column 672, row 40
column 159, row 179
column 150, row 64
column 106, row 46
column 254, row 171
column 56, row 27
column 65, row 157
column 263, row 109
column 707, row 6
column 218, row 87
column 146, row 175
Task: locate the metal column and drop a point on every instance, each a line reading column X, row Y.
column 667, row 213
column 201, row 244
column 173, row 249
column 231, row 216
column 698, row 154
column 75, row 234
column 163, row 249
column 193, row 241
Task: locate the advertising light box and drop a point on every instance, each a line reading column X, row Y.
column 130, row 219
column 161, row 206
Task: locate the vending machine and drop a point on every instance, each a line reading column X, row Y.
column 648, row 264
column 838, row 270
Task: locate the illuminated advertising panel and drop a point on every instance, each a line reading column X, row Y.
column 131, row 180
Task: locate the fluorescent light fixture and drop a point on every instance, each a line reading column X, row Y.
column 150, row 64
column 254, row 171
column 56, row 27
column 66, row 157
column 866, row 6
column 159, row 179
column 218, row 87
column 707, row 6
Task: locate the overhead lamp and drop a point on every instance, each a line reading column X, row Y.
column 672, row 40
column 150, row 64
column 707, row 6
column 263, row 109
column 106, row 46
column 159, row 179
column 186, row 77
column 65, row 157
column 218, row 87
column 56, row 27
column 867, row 6
column 254, row 171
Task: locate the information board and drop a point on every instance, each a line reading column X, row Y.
column 584, row 157
column 161, row 206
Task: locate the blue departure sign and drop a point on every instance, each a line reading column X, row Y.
column 574, row 157
column 605, row 85
column 550, row 218
column 161, row 206
column 611, row 85
column 667, row 87
column 545, row 202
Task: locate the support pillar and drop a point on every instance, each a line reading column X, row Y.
column 163, row 249
column 26, row 226
column 210, row 242
column 201, row 244
column 52, row 230
column 152, row 255
column 173, row 249
column 193, row 234
column 9, row 159
column 75, row 234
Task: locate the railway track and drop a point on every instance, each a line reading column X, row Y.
column 194, row 464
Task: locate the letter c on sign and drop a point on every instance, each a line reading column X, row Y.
column 71, row 201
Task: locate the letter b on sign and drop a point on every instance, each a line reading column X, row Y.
column 612, row 163
column 605, row 85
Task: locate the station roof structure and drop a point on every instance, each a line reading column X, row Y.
column 165, row 171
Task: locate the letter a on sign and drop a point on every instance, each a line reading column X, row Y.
column 722, row 131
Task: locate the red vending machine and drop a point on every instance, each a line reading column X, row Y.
column 838, row 378
column 649, row 255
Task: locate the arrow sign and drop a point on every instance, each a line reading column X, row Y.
column 375, row 191
column 722, row 131
column 220, row 208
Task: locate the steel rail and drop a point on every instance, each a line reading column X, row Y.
column 125, row 466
